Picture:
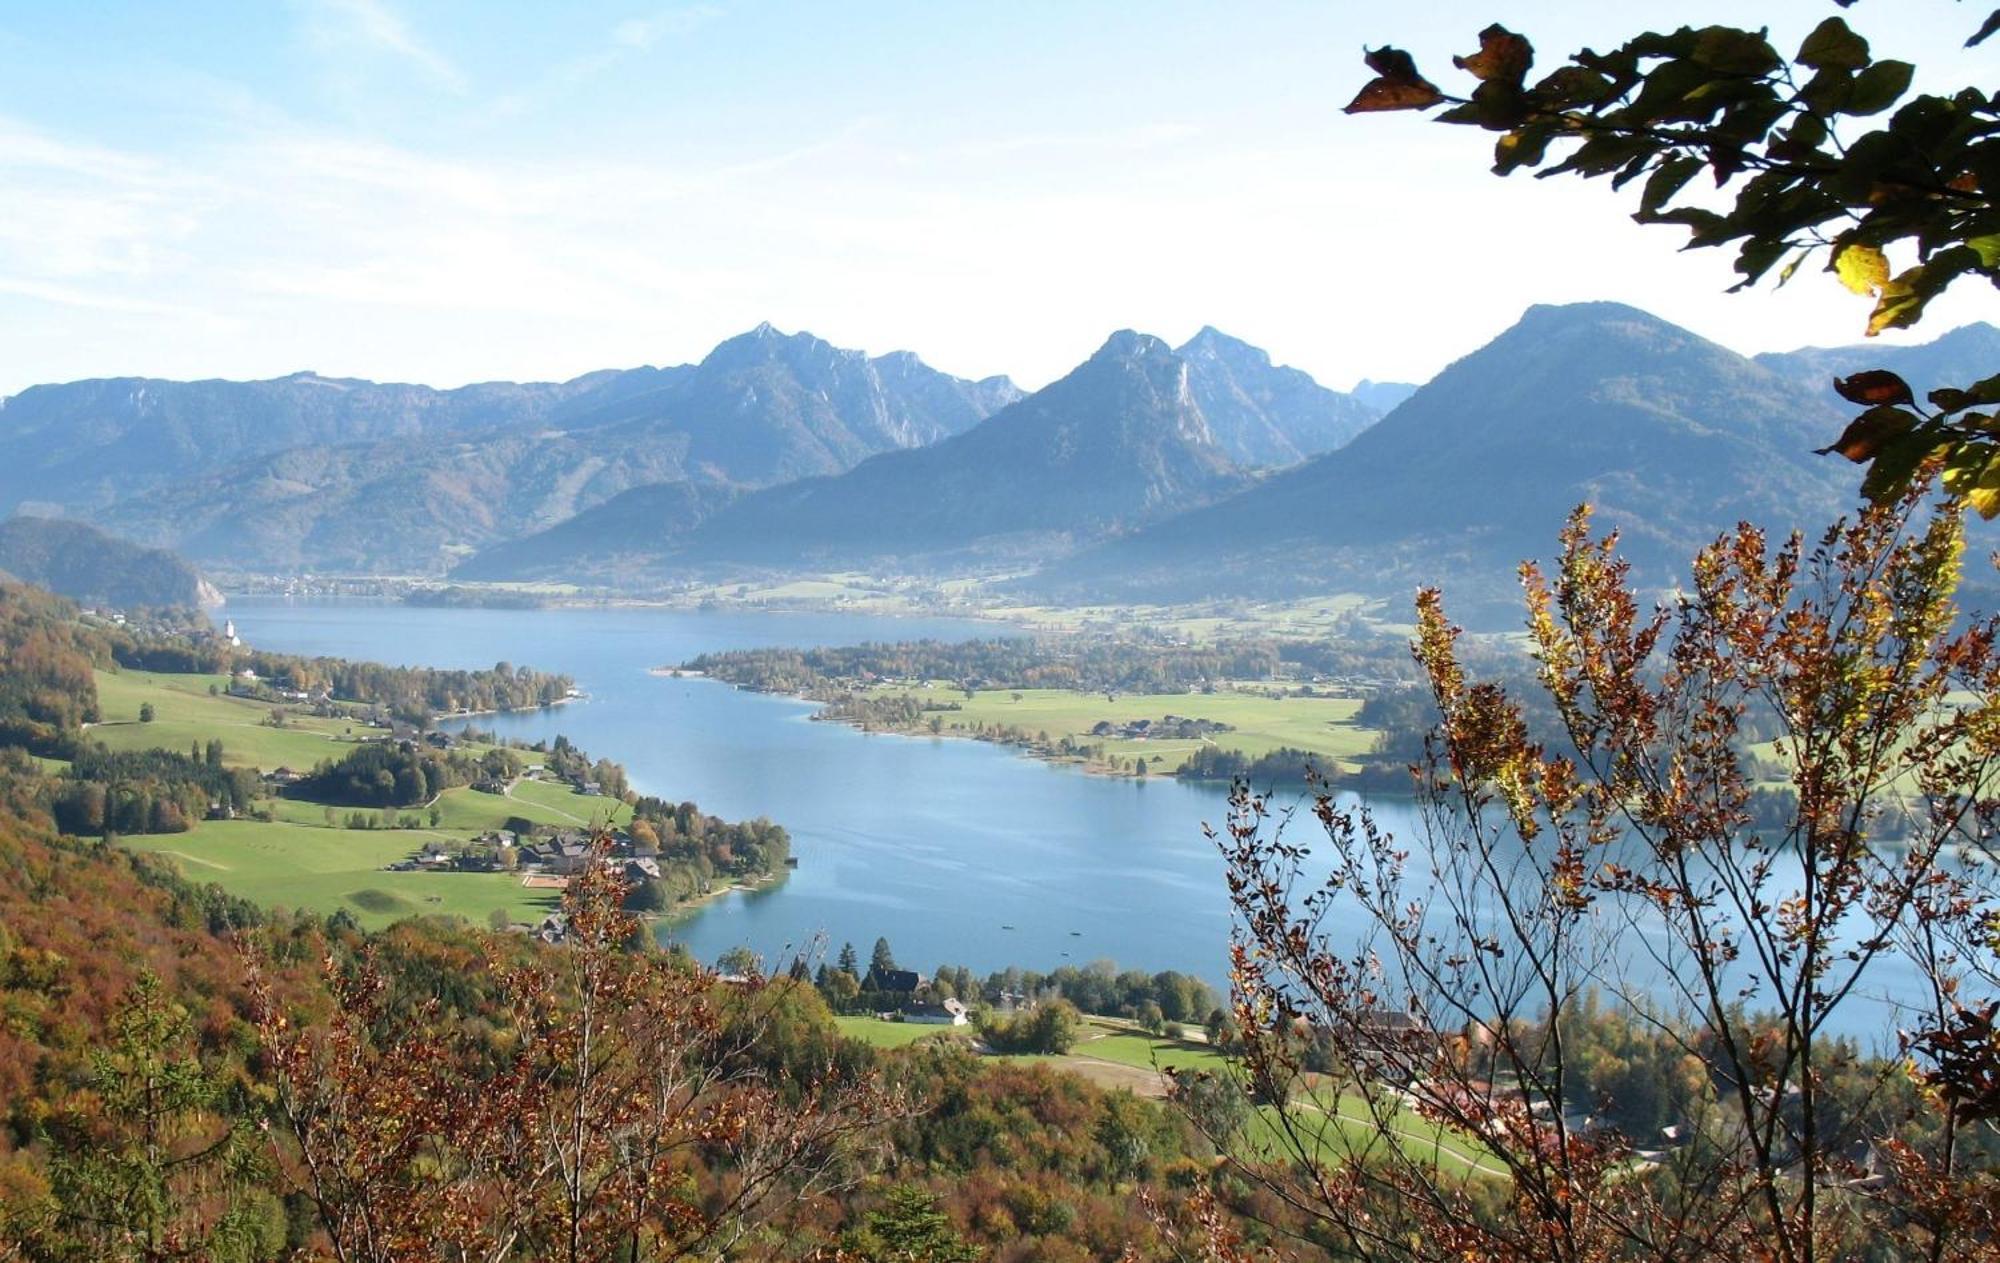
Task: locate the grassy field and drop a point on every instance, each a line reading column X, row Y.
column 1258, row 723
column 185, row 714
column 880, row 1034
column 323, row 870
column 300, row 860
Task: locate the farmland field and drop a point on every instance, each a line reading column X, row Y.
column 186, row 714
column 324, row 870
column 1259, row 723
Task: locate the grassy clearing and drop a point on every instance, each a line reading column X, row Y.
column 880, row 1034
column 548, row 802
column 1258, row 723
column 301, row 858
column 185, row 714
column 323, row 870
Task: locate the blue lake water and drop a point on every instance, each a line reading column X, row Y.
column 937, row 843
column 958, row 851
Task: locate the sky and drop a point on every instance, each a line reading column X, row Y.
column 468, row 190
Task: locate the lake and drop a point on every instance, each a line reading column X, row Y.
column 957, row 851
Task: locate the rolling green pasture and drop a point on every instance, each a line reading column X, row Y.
column 185, row 714
column 880, row 1034
column 1259, row 724
column 297, row 860
column 323, row 870
column 549, row 802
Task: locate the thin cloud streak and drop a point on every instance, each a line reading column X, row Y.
column 372, row 23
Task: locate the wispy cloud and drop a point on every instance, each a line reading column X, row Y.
column 643, row 33
column 91, row 300
column 630, row 38
column 340, row 24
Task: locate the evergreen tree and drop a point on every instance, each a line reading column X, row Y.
column 881, row 962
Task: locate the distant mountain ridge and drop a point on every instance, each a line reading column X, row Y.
column 1672, row 437
column 85, row 564
column 1118, row 442
column 82, row 445
column 1959, row 357
column 1264, row 414
column 421, row 478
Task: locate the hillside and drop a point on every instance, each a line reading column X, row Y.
column 1672, row 436
column 84, row 444
column 1118, row 442
column 1266, row 414
column 625, row 532
column 1104, row 449
column 1965, row 355
column 763, row 407
column 87, row 565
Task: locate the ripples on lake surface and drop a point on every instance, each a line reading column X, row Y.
column 959, row 852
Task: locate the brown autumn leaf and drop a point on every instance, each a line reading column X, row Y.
column 1387, row 94
column 1865, row 436
column 1397, row 86
column 1502, row 55
column 1874, row 386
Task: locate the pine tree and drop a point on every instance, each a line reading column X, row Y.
column 881, row 962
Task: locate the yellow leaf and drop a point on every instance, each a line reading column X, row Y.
column 1862, row 268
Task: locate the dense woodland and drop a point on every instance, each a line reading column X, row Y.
column 387, row 774
column 1084, row 663
column 47, row 691
column 147, row 791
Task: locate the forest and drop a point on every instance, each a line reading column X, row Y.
column 1084, row 663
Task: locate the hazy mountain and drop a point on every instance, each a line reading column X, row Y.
column 391, row 508
column 1118, row 442
column 1672, row 436
column 84, row 444
column 625, row 533
column 765, row 407
column 761, row 408
column 1264, row 414
column 85, row 564
column 1384, row 397
column 1967, row 354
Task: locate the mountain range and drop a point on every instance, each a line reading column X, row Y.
column 1138, row 432
column 1149, row 472
column 307, row 472
column 1672, row 437
column 312, row 473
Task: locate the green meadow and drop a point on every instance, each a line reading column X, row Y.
column 1260, row 722
column 185, row 714
column 304, row 857
column 322, row 870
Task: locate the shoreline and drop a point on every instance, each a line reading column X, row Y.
column 518, row 710
column 1027, row 750
column 687, row 909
